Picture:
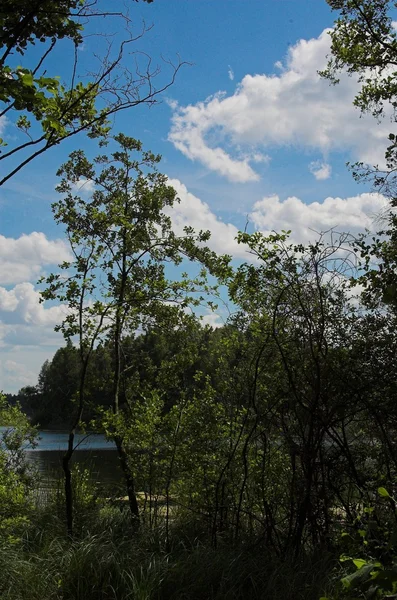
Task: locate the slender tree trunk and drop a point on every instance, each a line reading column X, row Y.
column 70, row 449
column 68, row 484
column 129, row 480
column 123, row 459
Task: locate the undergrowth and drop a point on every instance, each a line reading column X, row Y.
column 110, row 560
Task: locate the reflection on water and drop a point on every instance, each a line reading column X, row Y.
column 102, row 465
column 58, row 440
column 93, row 452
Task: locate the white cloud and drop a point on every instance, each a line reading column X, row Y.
column 27, row 336
column 196, row 213
column 258, row 157
column 20, row 365
column 83, row 185
column 212, row 319
column 293, row 108
column 8, row 301
column 3, row 124
column 16, row 375
column 21, row 305
column 190, row 141
column 320, row 170
column 230, row 73
column 350, row 215
column 22, row 259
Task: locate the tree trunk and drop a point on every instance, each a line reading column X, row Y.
column 68, row 484
column 129, row 480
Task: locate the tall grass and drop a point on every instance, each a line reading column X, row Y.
column 110, row 560
column 120, row 564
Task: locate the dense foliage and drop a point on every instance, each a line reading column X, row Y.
column 260, row 458
column 15, row 477
column 276, row 430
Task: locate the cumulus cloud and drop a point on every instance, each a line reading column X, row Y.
column 27, row 336
column 23, row 258
column 20, row 365
column 230, row 73
column 320, row 170
column 350, row 215
column 293, row 108
column 196, row 213
column 83, row 185
column 190, row 141
column 212, row 319
column 21, row 305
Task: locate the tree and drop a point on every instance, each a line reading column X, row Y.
column 122, row 240
column 57, row 386
column 364, row 43
column 46, row 110
column 15, row 482
column 301, row 405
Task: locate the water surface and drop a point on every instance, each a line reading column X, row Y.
column 92, row 451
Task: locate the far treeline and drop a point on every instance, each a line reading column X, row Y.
column 259, row 459
column 169, row 361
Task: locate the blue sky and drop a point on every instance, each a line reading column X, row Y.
column 248, row 129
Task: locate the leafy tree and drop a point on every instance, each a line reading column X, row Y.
column 122, row 240
column 295, row 312
column 47, row 110
column 57, row 386
column 30, row 401
column 48, row 403
column 15, row 482
column 364, row 43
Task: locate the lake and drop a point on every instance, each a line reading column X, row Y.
column 93, row 451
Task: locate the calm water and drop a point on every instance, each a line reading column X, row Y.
column 93, row 452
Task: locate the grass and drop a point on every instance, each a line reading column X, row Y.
column 117, row 563
column 110, row 560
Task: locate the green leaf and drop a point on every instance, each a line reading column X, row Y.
column 358, row 578
column 359, row 562
column 27, row 79
column 383, row 492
